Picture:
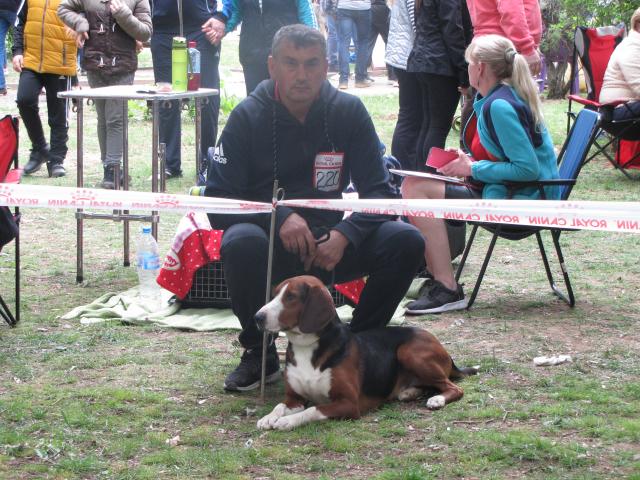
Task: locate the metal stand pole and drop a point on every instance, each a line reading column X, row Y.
column 154, row 161
column 80, row 183
column 265, row 336
column 125, row 168
column 198, row 107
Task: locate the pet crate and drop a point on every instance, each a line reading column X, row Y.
column 209, row 289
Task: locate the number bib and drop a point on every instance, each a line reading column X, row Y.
column 328, row 171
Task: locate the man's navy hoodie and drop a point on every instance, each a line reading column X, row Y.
column 262, row 141
column 195, row 13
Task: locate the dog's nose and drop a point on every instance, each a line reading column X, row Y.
column 260, row 318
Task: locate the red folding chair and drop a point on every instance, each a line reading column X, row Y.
column 9, row 140
column 594, row 47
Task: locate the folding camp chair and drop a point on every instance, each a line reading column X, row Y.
column 573, row 154
column 9, row 128
column 594, row 47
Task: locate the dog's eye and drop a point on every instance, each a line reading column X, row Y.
column 290, row 296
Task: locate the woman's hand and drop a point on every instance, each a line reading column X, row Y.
column 457, row 168
column 115, row 6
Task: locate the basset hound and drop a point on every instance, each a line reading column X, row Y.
column 346, row 374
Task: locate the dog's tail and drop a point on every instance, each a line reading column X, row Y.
column 462, row 372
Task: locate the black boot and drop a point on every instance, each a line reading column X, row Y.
column 246, row 376
column 36, row 159
column 55, row 169
column 109, row 180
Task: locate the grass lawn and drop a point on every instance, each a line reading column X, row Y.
column 102, row 401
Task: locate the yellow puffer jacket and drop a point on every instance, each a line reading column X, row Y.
column 47, row 48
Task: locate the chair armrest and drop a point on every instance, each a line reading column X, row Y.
column 583, row 101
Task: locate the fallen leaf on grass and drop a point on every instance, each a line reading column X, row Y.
column 173, row 441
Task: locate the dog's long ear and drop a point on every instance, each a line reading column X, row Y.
column 318, row 309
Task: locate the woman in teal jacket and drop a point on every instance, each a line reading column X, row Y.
column 506, row 139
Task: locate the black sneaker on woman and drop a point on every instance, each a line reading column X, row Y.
column 438, row 299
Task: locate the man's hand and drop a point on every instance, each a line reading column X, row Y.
column 328, row 254
column 296, row 236
column 534, row 62
column 139, row 47
column 18, row 63
column 214, row 29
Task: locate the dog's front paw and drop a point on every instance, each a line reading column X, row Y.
column 268, row 422
column 436, row 402
column 287, row 423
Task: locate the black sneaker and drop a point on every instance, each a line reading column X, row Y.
column 333, row 69
column 109, row 180
column 438, row 299
column 168, row 173
column 56, row 169
column 246, row 376
column 36, row 159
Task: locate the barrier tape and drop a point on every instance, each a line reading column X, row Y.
column 581, row 215
column 101, row 199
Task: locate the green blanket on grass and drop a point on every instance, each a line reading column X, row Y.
column 127, row 307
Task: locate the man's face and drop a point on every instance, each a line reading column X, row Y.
column 299, row 72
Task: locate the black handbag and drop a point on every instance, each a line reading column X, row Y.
column 331, row 9
column 8, row 227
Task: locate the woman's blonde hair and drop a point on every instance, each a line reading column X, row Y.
column 510, row 67
column 635, row 18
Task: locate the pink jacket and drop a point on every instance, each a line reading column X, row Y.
column 518, row 20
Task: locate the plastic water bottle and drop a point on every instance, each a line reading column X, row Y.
column 193, row 72
column 148, row 270
column 179, row 64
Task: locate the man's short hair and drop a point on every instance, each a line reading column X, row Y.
column 302, row 36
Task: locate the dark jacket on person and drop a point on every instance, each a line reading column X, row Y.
column 261, row 19
column 111, row 46
column 441, row 40
column 195, row 13
column 10, row 5
column 262, row 141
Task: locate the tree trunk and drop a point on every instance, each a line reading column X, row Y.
column 557, row 88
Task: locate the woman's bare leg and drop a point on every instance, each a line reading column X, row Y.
column 437, row 253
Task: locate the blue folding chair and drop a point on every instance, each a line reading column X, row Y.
column 571, row 159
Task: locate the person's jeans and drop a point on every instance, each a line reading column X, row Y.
column 170, row 125
column 332, row 41
column 109, row 116
column 6, row 20
column 409, row 125
column 347, row 19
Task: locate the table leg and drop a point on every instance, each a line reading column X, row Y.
column 198, row 106
column 154, row 161
column 125, row 167
column 80, row 183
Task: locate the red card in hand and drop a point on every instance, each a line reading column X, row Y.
column 439, row 158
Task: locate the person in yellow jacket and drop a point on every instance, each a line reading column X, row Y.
column 44, row 56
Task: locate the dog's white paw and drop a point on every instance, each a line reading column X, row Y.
column 436, row 402
column 288, row 423
column 409, row 394
column 267, row 422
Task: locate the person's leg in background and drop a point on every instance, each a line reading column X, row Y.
column 379, row 26
column 58, row 113
column 332, row 44
column 254, row 74
column 29, row 87
column 409, row 125
column 6, row 20
column 440, row 97
column 466, row 112
column 345, row 26
column 362, row 20
column 170, row 122
column 210, row 78
column 96, row 80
